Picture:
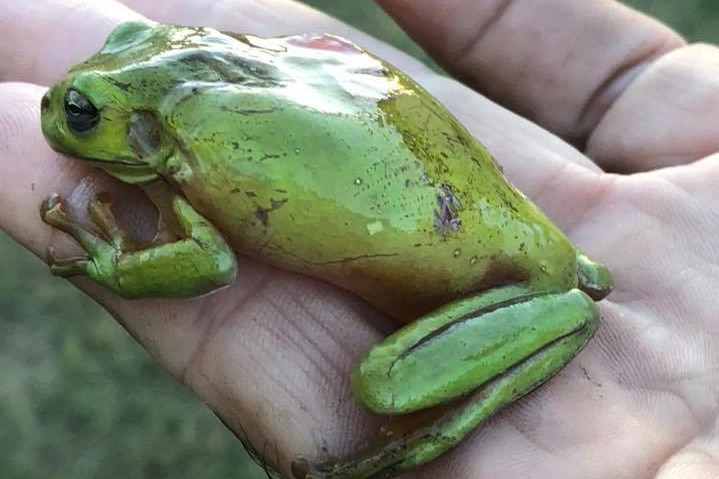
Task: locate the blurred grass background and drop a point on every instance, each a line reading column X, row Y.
column 79, row 399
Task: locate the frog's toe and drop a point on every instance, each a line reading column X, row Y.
column 52, row 211
column 66, row 267
column 100, row 212
column 594, row 278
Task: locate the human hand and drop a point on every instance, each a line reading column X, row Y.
column 271, row 355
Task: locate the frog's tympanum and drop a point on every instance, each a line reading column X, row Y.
column 310, row 154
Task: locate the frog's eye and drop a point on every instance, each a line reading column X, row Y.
column 80, row 114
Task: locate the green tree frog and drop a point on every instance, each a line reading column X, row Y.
column 315, row 156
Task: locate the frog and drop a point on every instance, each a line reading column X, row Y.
column 312, row 155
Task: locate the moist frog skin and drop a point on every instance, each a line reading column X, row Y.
column 312, row 155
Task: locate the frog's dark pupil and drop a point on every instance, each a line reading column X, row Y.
column 73, row 109
column 80, row 114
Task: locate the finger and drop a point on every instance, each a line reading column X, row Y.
column 271, row 335
column 47, row 51
column 560, row 63
column 666, row 117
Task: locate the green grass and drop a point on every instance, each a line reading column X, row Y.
column 79, row 399
column 696, row 20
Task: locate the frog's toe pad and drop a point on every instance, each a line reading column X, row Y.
column 51, row 209
column 66, row 267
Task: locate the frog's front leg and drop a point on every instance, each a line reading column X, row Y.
column 198, row 262
column 455, row 367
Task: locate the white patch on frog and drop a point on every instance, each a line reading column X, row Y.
column 374, row 227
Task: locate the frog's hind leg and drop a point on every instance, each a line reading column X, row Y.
column 455, row 367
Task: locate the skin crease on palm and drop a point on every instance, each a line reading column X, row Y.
column 271, row 355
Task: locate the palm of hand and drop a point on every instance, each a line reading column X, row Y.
column 271, row 355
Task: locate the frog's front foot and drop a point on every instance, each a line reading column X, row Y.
column 199, row 262
column 53, row 212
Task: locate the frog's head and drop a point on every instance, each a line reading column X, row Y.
column 110, row 110
column 102, row 110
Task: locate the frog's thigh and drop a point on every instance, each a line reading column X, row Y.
column 510, row 335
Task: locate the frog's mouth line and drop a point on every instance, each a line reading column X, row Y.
column 109, row 163
column 124, row 170
column 102, row 163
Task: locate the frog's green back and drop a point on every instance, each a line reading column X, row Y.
column 391, row 198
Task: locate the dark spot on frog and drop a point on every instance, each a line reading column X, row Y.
column 248, row 111
column 250, row 194
column 278, row 204
column 263, row 214
column 196, row 56
column 268, row 156
column 235, row 190
column 211, row 66
column 121, row 85
column 446, row 216
column 506, row 201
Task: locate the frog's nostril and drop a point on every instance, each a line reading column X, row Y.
column 45, row 103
